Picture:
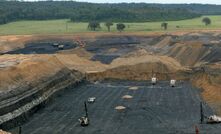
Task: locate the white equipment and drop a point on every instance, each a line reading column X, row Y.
column 61, row 47
column 91, row 99
column 153, row 80
column 55, row 44
column 172, row 83
column 213, row 119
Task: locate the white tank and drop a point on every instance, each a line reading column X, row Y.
column 153, row 80
column 172, row 83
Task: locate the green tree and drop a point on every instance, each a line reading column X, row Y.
column 108, row 25
column 164, row 25
column 206, row 21
column 120, row 27
column 93, row 25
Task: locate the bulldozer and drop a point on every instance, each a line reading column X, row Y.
column 84, row 120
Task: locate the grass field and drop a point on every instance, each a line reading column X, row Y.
column 65, row 27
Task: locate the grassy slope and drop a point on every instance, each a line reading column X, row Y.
column 59, row 26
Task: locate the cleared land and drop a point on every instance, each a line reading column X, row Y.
column 153, row 109
column 183, row 56
column 65, row 27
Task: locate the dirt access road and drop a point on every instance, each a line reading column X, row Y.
column 156, row 109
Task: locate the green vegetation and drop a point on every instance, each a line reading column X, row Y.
column 164, row 25
column 84, row 12
column 64, row 26
column 108, row 25
column 94, row 25
column 206, row 21
column 121, row 27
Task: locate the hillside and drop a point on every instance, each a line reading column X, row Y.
column 84, row 12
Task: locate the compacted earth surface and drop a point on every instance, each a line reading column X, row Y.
column 158, row 109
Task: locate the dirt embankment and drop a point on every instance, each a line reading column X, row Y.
column 27, row 81
column 209, row 82
column 142, row 67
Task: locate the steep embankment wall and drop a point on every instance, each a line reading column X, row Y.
column 209, row 80
column 28, row 83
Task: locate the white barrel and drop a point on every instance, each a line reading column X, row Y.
column 172, row 83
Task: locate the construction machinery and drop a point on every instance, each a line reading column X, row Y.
column 213, row 119
column 84, row 120
column 154, row 80
column 61, row 47
column 91, row 99
column 55, row 44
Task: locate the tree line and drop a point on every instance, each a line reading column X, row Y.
column 85, row 12
column 94, row 25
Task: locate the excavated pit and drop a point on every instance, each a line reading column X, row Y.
column 193, row 59
column 156, row 109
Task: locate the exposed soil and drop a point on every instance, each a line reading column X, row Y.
column 189, row 56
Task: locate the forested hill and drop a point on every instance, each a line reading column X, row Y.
column 84, row 12
column 204, row 9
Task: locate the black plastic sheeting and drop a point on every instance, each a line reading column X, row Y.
column 41, row 48
column 158, row 109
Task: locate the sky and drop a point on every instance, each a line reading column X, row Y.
column 156, row 1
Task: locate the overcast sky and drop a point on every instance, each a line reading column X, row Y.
column 156, row 1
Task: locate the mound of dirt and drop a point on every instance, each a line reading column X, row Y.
column 72, row 61
column 3, row 132
column 18, row 70
column 120, row 108
column 81, row 52
column 138, row 53
column 127, row 97
column 133, row 88
column 141, row 68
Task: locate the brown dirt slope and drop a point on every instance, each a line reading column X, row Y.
column 23, row 69
column 211, row 89
column 141, row 67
